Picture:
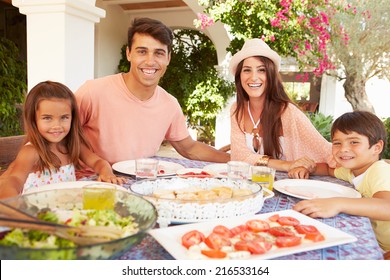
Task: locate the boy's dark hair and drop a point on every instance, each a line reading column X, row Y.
column 152, row 27
column 364, row 123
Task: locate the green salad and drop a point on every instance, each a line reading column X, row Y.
column 39, row 239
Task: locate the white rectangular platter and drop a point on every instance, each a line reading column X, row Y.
column 170, row 237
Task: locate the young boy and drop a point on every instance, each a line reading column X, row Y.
column 358, row 141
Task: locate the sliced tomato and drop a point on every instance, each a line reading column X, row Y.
column 257, row 225
column 249, row 236
column 306, row 229
column 238, row 229
column 281, row 231
column 274, row 218
column 216, row 241
column 315, row 237
column 310, row 232
column 287, row 241
column 258, row 247
column 215, row 254
column 241, row 245
column 193, row 237
column 222, row 230
column 288, row 221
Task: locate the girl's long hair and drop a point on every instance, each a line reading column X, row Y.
column 49, row 90
column 276, row 101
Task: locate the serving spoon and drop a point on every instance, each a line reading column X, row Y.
column 82, row 235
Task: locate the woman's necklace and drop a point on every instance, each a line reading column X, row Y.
column 255, row 131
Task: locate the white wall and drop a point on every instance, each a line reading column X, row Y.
column 378, row 92
column 110, row 35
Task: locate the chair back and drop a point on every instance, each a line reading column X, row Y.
column 9, row 148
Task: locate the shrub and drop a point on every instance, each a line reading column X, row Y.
column 13, row 85
column 322, row 123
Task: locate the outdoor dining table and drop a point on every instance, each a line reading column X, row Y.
column 365, row 248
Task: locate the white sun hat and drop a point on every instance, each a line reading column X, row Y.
column 254, row 47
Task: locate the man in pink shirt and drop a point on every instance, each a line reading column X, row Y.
column 127, row 115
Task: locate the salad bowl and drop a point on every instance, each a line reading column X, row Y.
column 140, row 212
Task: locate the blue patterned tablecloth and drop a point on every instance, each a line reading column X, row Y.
column 365, row 248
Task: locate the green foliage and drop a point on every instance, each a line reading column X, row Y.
column 201, row 92
column 360, row 47
column 253, row 19
column 193, row 80
column 337, row 37
column 204, row 104
column 356, row 31
column 124, row 64
column 386, row 154
column 13, row 85
column 322, row 123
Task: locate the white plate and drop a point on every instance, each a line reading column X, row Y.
column 309, row 189
column 128, row 167
column 74, row 184
column 219, row 169
column 184, row 173
column 170, row 237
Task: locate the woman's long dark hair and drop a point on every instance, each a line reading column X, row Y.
column 49, row 90
column 276, row 102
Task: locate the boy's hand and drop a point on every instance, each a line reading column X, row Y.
column 319, row 208
column 299, row 173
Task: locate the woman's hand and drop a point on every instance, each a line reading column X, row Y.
column 299, row 173
column 305, row 162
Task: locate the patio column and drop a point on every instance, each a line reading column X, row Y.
column 60, row 40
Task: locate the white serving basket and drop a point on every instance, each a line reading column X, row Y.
column 173, row 210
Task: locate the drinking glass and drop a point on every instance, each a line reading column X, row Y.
column 98, row 196
column 263, row 175
column 238, row 170
column 146, row 168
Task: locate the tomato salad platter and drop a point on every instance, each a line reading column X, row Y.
column 262, row 236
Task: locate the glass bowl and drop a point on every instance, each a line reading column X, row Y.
column 182, row 210
column 126, row 203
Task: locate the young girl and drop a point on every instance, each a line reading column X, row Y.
column 55, row 143
column 358, row 141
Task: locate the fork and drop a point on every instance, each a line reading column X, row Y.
column 82, row 235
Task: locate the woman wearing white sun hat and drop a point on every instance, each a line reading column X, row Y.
column 266, row 127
